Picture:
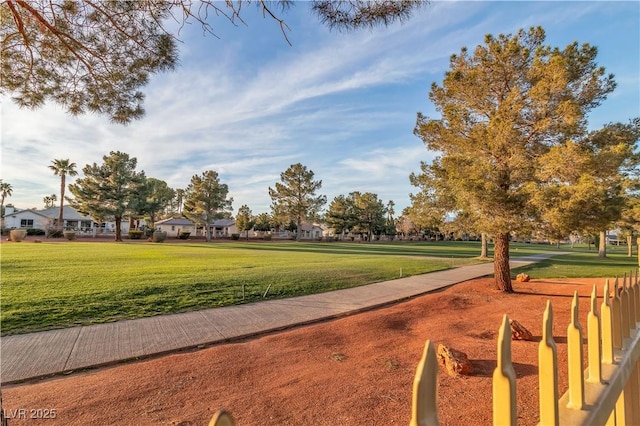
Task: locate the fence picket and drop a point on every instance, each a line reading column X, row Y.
column 637, row 292
column 617, row 316
column 574, row 355
column 222, row 418
column 593, row 341
column 633, row 302
column 424, row 409
column 606, row 326
column 504, row 380
column 548, row 372
column 624, row 309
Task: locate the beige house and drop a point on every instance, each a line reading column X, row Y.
column 174, row 226
column 223, row 228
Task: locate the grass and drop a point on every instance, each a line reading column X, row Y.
column 54, row 285
column 582, row 263
column 62, row 284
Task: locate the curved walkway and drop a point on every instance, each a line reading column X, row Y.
column 35, row 355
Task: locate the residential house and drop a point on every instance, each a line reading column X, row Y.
column 223, row 228
column 48, row 218
column 310, row 231
column 72, row 220
column 29, row 218
column 174, row 226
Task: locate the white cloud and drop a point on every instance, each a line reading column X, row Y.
column 342, row 104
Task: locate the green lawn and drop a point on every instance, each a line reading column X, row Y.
column 52, row 285
column 61, row 284
column 582, row 263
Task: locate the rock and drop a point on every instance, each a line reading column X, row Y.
column 455, row 362
column 519, row 332
column 523, row 278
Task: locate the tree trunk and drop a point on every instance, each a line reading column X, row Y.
column 207, row 231
column 602, row 247
column 629, row 246
column 118, row 230
column 61, row 211
column 299, row 230
column 484, row 247
column 501, row 268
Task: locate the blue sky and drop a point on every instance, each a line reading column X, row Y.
column 248, row 105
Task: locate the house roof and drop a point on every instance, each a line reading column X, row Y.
column 309, row 226
column 68, row 213
column 20, row 212
column 223, row 222
column 182, row 221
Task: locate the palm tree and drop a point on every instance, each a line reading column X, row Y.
column 62, row 168
column 5, row 190
column 49, row 200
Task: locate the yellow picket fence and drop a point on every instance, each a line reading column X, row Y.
column 607, row 392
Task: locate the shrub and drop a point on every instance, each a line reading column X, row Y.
column 235, row 236
column 135, row 234
column 55, row 233
column 183, row 235
column 35, row 231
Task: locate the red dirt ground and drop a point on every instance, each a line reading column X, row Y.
column 356, row 370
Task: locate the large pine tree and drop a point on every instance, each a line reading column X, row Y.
column 294, row 197
column 206, row 199
column 108, row 191
column 502, row 107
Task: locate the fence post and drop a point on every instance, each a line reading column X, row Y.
column 548, row 372
column 593, row 341
column 424, row 409
column 574, row 354
column 504, row 380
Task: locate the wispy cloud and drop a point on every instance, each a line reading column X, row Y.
column 249, row 105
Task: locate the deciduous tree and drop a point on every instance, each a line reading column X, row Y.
column 95, row 56
column 583, row 184
column 107, row 191
column 205, row 199
column 295, row 196
column 263, row 222
column 502, row 107
column 244, row 220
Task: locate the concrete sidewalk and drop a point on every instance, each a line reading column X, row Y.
column 34, row 355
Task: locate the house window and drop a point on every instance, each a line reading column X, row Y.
column 173, row 227
column 26, row 223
